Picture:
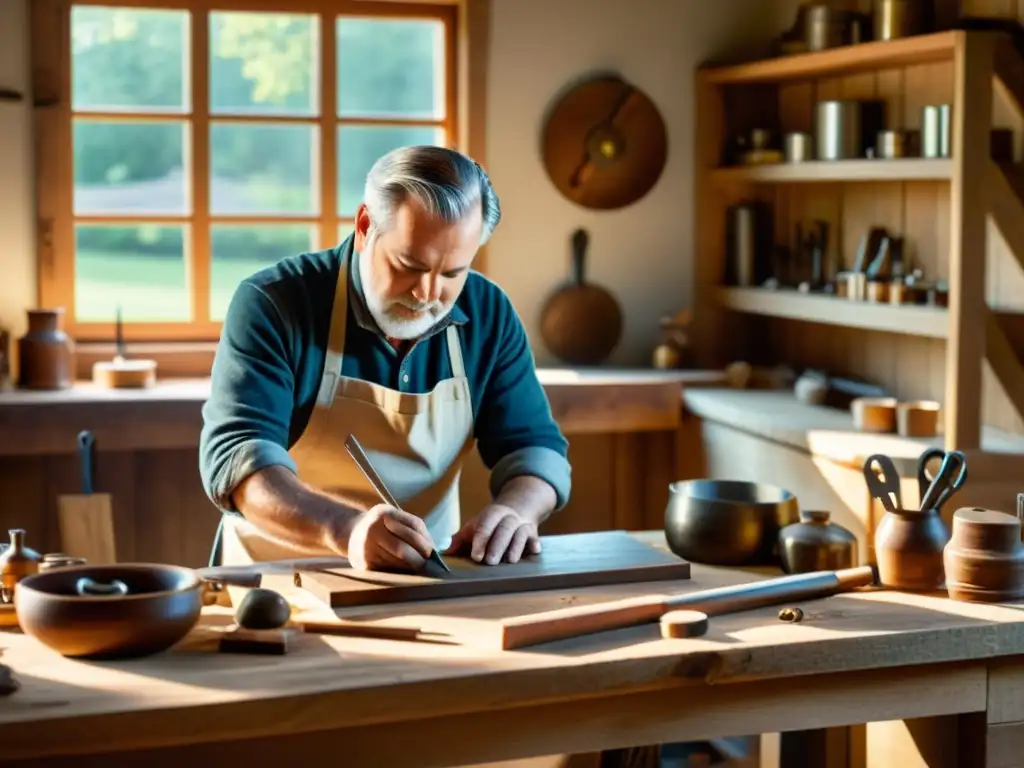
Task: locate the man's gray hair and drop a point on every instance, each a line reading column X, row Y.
column 447, row 182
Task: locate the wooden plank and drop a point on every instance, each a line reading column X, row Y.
column 930, row 322
column 1006, row 210
column 168, row 415
column 1006, row 691
column 1009, row 73
column 1004, row 361
column 968, row 218
column 1004, row 745
column 616, row 719
column 909, row 169
column 845, row 60
column 565, row 562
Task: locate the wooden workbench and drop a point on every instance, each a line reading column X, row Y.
column 955, row 669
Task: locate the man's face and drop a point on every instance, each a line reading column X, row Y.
column 413, row 273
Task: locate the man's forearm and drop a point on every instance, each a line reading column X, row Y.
column 530, row 496
column 286, row 509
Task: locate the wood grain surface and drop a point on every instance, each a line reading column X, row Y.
column 572, row 560
column 190, row 696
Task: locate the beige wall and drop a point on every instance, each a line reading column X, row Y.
column 17, row 245
column 643, row 252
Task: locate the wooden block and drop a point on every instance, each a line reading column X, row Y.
column 565, row 562
column 684, row 624
column 269, row 641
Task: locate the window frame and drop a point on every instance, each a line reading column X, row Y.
column 51, row 71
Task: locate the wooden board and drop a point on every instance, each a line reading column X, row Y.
column 573, row 560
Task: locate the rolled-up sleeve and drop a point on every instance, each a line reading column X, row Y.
column 247, row 417
column 515, row 430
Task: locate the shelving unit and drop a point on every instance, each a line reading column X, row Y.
column 911, row 169
column 930, row 322
column 940, row 207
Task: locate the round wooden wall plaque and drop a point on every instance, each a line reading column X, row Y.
column 604, row 144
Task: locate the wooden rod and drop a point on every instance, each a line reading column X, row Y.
column 564, row 623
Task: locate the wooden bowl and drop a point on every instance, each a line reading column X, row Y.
column 161, row 606
column 874, row 414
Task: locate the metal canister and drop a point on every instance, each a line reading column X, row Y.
column 889, row 145
column 837, row 128
column 898, row 18
column 824, row 27
column 936, row 130
column 799, row 147
column 744, row 243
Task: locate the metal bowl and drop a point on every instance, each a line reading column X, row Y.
column 110, row 611
column 727, row 522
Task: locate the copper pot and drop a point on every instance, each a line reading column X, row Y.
column 110, row 611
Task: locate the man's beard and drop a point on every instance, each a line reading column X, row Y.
column 391, row 315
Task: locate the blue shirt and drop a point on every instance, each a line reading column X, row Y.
column 268, row 365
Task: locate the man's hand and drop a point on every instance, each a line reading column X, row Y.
column 497, row 533
column 385, row 538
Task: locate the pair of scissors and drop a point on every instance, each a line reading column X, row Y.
column 949, row 479
column 885, row 486
column 925, row 475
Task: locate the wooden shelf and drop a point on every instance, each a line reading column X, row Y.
column 909, row 320
column 909, row 169
column 863, row 57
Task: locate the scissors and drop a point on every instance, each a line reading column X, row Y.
column 924, row 476
column 948, row 480
column 887, row 487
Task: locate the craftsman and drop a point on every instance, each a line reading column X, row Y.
column 392, row 338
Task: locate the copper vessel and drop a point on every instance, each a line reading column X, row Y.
column 45, row 352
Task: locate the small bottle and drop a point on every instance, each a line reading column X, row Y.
column 17, row 562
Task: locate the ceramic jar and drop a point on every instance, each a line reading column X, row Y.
column 45, row 352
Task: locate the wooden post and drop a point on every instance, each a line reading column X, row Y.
column 965, row 348
column 708, row 335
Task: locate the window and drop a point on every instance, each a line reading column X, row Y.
column 189, row 143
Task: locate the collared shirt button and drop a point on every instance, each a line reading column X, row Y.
column 405, row 378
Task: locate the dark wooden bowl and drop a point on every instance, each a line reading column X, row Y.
column 162, row 605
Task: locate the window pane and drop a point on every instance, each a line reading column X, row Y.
column 345, row 229
column 124, row 59
column 130, row 167
column 261, row 168
column 359, row 147
column 240, row 250
column 391, row 68
column 139, row 267
column 264, row 63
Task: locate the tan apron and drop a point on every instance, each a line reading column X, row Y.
column 416, row 442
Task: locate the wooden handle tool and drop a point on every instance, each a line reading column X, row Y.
column 87, row 518
column 564, row 623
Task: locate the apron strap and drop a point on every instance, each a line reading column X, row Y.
column 455, row 352
column 335, row 339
